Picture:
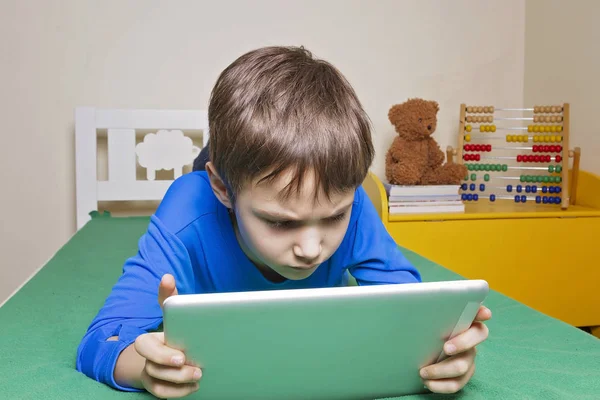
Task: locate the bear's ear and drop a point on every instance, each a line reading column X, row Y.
column 395, row 113
column 436, row 106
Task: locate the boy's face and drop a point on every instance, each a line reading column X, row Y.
column 290, row 236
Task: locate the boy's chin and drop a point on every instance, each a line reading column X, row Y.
column 296, row 274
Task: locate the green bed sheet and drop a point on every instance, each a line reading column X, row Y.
column 527, row 356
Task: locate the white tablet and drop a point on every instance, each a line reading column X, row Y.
column 337, row 343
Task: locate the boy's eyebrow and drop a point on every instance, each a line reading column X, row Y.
column 284, row 216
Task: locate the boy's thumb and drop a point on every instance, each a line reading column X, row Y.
column 166, row 288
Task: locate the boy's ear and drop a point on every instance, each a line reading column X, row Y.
column 218, row 185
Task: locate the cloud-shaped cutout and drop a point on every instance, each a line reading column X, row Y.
column 166, row 150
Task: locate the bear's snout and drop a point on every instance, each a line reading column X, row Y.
column 429, row 127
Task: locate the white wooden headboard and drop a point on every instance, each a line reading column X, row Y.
column 165, row 148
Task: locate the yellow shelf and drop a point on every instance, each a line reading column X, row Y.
column 541, row 255
column 483, row 209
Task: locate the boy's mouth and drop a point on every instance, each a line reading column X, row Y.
column 303, row 268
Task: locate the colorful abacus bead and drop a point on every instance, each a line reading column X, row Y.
column 481, row 187
column 538, row 199
column 492, row 197
column 520, row 199
column 519, row 188
column 472, row 187
column 475, row 197
column 486, row 177
column 464, row 186
column 509, row 188
column 558, row 158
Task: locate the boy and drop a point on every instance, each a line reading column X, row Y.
column 277, row 206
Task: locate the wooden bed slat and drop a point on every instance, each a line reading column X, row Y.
column 121, row 155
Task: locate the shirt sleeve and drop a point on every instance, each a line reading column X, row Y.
column 132, row 308
column 374, row 256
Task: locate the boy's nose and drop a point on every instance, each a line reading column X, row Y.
column 308, row 251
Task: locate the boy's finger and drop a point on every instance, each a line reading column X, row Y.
column 483, row 314
column 451, row 385
column 152, row 347
column 167, row 390
column 453, row 367
column 166, row 288
column 477, row 333
column 185, row 374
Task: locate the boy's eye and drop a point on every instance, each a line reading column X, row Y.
column 282, row 224
column 337, row 218
column 295, row 224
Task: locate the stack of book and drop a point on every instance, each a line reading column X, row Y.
column 424, row 199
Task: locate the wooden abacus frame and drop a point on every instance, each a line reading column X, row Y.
column 568, row 183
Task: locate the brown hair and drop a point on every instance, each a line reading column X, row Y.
column 277, row 108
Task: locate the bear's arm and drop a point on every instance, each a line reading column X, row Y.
column 397, row 149
column 436, row 155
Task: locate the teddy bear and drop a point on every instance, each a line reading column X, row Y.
column 414, row 157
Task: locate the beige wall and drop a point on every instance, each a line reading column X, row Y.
column 562, row 64
column 139, row 53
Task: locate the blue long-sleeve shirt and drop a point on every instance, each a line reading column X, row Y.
column 191, row 237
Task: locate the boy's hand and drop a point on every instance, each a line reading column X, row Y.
column 165, row 373
column 453, row 373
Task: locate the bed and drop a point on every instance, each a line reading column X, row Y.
column 528, row 355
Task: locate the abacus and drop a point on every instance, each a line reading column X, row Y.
column 537, row 147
